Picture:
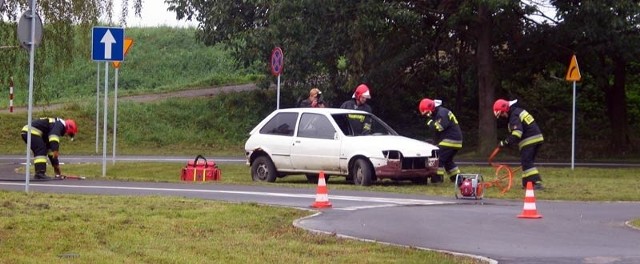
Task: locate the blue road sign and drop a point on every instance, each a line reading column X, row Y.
column 107, row 44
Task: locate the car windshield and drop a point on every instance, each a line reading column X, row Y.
column 362, row 124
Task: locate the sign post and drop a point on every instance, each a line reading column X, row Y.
column 573, row 75
column 277, row 65
column 116, row 64
column 107, row 45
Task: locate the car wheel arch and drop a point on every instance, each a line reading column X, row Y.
column 353, row 160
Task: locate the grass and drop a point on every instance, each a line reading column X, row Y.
column 64, row 228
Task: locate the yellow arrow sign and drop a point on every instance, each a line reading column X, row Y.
column 127, row 44
column 573, row 73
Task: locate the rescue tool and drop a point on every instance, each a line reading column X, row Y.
column 503, row 176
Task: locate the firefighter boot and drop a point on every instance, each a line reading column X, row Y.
column 41, row 168
column 42, row 176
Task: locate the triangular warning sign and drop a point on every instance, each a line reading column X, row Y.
column 127, row 44
column 573, row 73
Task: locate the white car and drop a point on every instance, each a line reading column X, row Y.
column 338, row 142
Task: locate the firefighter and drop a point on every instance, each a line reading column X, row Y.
column 314, row 100
column 447, row 134
column 360, row 124
column 359, row 99
column 524, row 132
column 45, row 142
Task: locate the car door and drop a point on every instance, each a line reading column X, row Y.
column 276, row 138
column 316, row 145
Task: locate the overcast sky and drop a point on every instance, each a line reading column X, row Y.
column 154, row 13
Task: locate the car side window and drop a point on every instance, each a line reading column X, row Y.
column 281, row 124
column 315, row 126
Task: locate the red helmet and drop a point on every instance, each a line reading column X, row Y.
column 362, row 91
column 71, row 127
column 466, row 188
column 426, row 105
column 500, row 106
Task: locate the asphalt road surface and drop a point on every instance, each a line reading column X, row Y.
column 569, row 232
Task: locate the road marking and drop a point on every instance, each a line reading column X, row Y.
column 395, row 201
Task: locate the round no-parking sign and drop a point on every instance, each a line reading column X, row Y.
column 277, row 61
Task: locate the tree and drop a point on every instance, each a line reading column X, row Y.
column 604, row 35
column 62, row 21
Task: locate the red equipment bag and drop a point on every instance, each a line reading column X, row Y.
column 201, row 170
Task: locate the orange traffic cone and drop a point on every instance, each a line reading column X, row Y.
column 529, row 210
column 322, row 195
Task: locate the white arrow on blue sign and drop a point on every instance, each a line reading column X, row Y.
column 107, row 44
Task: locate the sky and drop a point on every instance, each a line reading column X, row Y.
column 154, row 14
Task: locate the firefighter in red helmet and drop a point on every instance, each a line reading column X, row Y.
column 525, row 132
column 359, row 99
column 45, row 142
column 361, row 124
column 448, row 137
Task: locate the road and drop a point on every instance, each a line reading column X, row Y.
column 569, row 232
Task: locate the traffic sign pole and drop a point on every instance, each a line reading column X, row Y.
column 97, row 106
column 277, row 64
column 573, row 128
column 573, row 75
column 115, row 117
column 104, row 127
column 32, row 51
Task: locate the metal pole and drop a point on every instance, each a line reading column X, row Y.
column 104, row 129
column 97, row 106
column 278, row 100
column 11, row 94
column 32, row 50
column 115, row 118
column 573, row 128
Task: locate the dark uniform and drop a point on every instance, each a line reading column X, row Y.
column 45, row 140
column 358, row 121
column 525, row 132
column 351, row 104
column 449, row 139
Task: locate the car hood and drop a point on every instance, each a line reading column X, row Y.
column 374, row 145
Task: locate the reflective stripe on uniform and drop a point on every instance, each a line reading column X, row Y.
column 438, row 126
column 54, row 138
column 530, row 140
column 517, row 133
column 451, row 143
column 454, row 171
column 529, row 172
column 34, row 131
column 40, row 159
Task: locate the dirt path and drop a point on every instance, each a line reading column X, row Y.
column 203, row 92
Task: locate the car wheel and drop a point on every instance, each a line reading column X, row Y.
column 313, row 178
column 362, row 173
column 263, row 169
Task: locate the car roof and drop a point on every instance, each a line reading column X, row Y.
column 320, row 110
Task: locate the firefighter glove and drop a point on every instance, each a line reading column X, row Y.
column 503, row 143
column 55, row 154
